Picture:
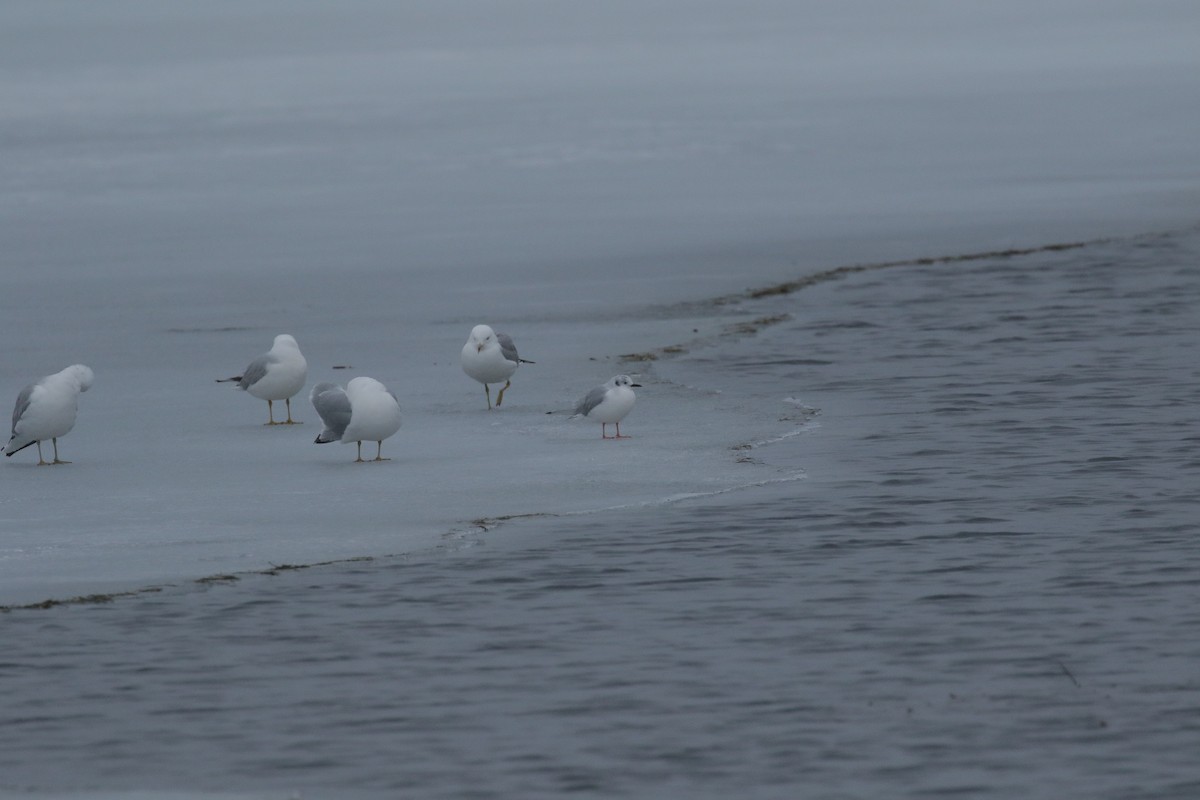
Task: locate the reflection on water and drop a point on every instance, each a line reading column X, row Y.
column 986, row 587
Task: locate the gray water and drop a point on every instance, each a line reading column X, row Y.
column 988, row 585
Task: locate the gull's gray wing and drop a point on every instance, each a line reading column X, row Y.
column 507, row 348
column 592, row 399
column 257, row 369
column 22, row 405
column 333, row 406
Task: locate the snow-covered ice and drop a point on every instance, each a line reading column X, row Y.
column 183, row 182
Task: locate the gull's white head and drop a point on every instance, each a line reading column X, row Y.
column 83, row 376
column 624, row 380
column 481, row 336
column 285, row 340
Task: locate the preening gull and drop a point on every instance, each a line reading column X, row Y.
column 490, row 357
column 365, row 411
column 46, row 409
column 277, row 374
column 609, row 402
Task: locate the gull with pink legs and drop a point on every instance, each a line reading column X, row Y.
column 609, row 403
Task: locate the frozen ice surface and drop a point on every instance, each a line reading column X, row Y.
column 183, row 182
column 175, row 476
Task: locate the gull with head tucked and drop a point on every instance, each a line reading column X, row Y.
column 609, row 402
column 490, row 357
column 364, row 411
column 46, row 409
column 277, row 374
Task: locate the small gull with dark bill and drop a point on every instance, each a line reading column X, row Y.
column 364, row 411
column 277, row 374
column 490, row 357
column 609, row 402
column 46, row 409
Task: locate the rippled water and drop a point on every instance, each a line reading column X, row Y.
column 988, row 585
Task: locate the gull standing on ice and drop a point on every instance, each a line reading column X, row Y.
column 490, row 357
column 46, row 409
column 277, row 374
column 364, row 411
column 609, row 402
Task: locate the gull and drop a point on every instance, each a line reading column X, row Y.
column 609, row 402
column 277, row 374
column 364, row 411
column 46, row 409
column 490, row 357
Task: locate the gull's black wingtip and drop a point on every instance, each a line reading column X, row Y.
column 19, row 449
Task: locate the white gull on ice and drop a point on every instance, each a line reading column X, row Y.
column 609, row 402
column 277, row 374
column 365, row 411
column 490, row 357
column 46, row 409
